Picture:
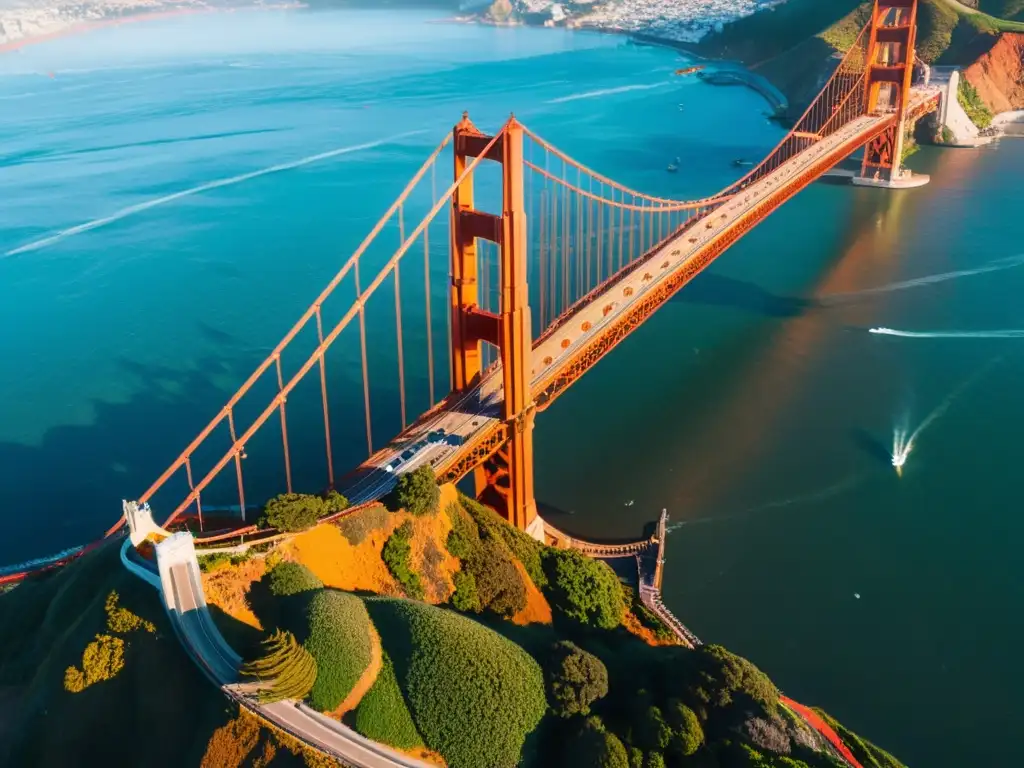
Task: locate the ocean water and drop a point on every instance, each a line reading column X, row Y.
column 175, row 194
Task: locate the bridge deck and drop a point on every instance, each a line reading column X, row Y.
column 466, row 428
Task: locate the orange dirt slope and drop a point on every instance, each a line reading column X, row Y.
column 339, row 564
column 227, row 587
column 342, row 565
column 998, row 74
column 537, row 610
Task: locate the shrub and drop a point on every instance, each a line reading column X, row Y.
column 230, row 745
column 636, row 757
column 465, row 597
column 594, row 747
column 383, row 715
column 397, row 556
column 651, row 730
column 208, row 563
column 356, row 526
column 498, row 582
column 724, row 678
column 292, row 512
column 122, row 620
column 645, row 615
column 291, row 579
column 273, row 559
column 287, row 669
column 654, row 760
column 486, row 557
column 575, row 678
column 416, row 492
column 102, row 660
column 474, row 695
column 687, row 735
column 279, row 599
column 334, row 503
column 973, row 105
column 464, row 537
column 584, row 590
column 527, row 550
column 339, row 640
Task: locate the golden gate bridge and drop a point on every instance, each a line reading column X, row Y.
column 549, row 266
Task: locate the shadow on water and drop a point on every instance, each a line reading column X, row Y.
column 68, row 489
column 718, row 290
column 871, row 445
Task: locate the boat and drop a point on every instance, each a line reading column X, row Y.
column 741, row 163
column 673, row 166
column 689, row 70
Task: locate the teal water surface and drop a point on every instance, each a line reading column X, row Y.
column 151, row 255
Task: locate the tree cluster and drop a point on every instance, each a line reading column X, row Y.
column 473, row 694
column 290, row 512
column 416, row 492
column 397, row 556
column 584, row 590
column 491, row 579
column 286, row 669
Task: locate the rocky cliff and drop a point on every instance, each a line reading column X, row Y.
column 998, row 75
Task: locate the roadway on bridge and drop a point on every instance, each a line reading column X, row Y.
column 195, row 628
column 440, row 437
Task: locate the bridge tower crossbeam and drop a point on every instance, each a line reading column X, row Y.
column 890, row 65
column 505, row 480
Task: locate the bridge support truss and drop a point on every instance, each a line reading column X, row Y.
column 890, row 65
column 505, row 480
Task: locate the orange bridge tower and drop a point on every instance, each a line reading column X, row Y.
column 505, row 480
column 890, row 65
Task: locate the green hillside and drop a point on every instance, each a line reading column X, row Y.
column 91, row 673
column 794, row 45
column 1003, row 9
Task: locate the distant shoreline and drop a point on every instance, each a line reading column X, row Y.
column 91, row 26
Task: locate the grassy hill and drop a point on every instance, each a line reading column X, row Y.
column 515, row 653
column 795, row 45
column 93, row 675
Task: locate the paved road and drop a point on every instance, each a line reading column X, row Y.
column 478, row 411
column 205, row 644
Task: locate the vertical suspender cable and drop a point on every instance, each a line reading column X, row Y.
column 192, row 487
column 566, row 218
column 578, row 249
column 398, row 318
column 542, row 282
column 426, row 280
column 622, row 226
column 366, row 368
column 323, row 395
column 238, row 462
column 284, row 427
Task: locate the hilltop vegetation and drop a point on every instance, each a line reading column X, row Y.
column 71, row 699
column 518, row 654
column 794, row 45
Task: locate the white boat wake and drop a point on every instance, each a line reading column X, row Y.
column 995, row 266
column 903, row 440
column 140, row 207
column 605, row 92
column 1006, row 334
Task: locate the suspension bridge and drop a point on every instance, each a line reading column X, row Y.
column 500, row 289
